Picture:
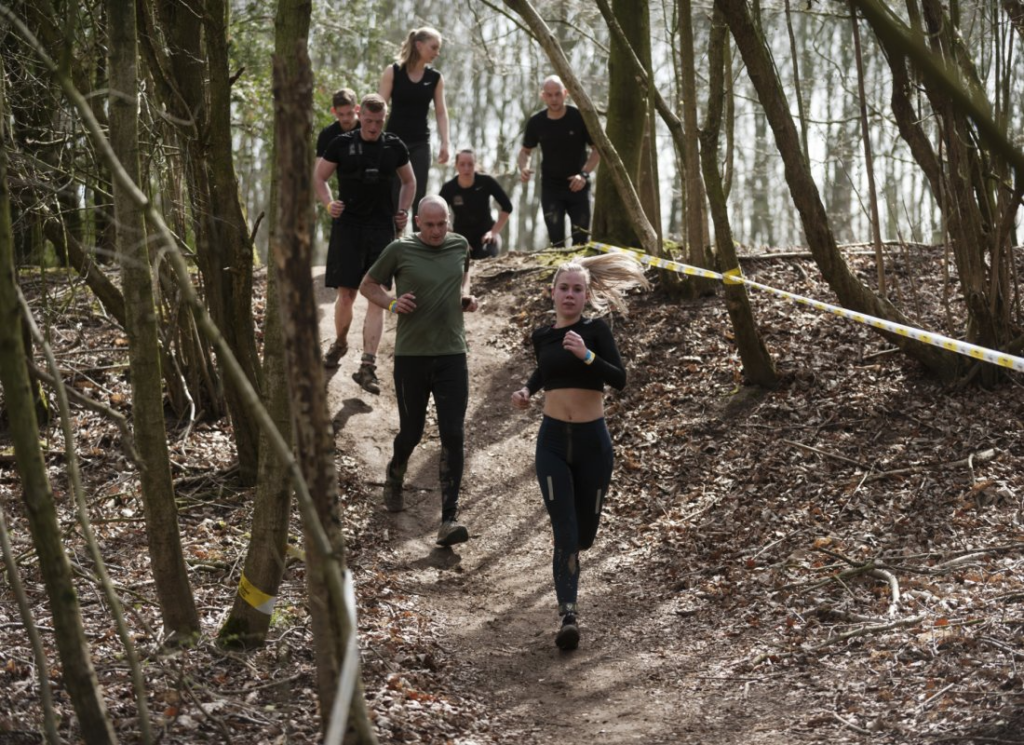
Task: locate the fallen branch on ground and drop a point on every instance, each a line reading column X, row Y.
column 834, row 456
column 982, row 456
column 865, row 630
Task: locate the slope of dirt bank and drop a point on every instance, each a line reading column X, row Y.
column 708, row 610
column 490, row 603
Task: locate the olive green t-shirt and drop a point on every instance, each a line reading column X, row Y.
column 434, row 275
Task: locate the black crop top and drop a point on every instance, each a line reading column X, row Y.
column 557, row 367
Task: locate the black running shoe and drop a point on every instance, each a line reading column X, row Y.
column 334, row 353
column 568, row 637
column 366, row 376
column 393, row 500
column 452, row 532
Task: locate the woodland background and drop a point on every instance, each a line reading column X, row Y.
column 154, row 158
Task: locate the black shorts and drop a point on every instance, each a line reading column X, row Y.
column 353, row 250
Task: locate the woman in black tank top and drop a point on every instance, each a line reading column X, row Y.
column 409, row 85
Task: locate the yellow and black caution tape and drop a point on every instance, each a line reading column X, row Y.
column 734, row 276
column 255, row 597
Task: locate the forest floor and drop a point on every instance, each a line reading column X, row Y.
column 838, row 560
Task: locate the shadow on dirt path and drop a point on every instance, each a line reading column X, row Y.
column 646, row 671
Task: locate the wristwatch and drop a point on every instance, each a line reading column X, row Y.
column 585, row 175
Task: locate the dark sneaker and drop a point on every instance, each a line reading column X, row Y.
column 335, row 352
column 452, row 532
column 568, row 637
column 366, row 376
column 393, row 500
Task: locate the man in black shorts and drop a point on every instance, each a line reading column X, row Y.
column 566, row 166
column 366, row 160
column 345, row 111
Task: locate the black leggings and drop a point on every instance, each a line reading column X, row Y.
column 446, row 377
column 574, row 469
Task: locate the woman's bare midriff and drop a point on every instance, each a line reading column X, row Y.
column 574, row 404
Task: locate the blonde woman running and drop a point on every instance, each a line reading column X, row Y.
column 576, row 358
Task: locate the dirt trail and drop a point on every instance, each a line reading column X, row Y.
column 648, row 669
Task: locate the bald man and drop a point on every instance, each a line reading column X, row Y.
column 430, row 272
column 566, row 163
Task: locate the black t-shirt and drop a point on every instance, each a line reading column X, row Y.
column 327, row 134
column 410, row 103
column 471, row 207
column 557, row 367
column 563, row 143
column 365, row 171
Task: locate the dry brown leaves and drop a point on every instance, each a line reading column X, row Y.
column 780, row 524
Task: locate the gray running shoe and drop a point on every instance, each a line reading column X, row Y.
column 366, row 376
column 393, row 500
column 452, row 532
column 568, row 636
column 335, row 352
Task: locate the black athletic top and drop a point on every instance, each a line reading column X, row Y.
column 563, row 143
column 471, row 207
column 365, row 172
column 557, row 367
column 409, row 104
column 327, row 134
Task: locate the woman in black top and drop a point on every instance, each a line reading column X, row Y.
column 469, row 196
column 576, row 357
column 409, row 85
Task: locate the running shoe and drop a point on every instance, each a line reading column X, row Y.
column 366, row 376
column 335, row 352
column 393, row 499
column 452, row 532
column 568, row 636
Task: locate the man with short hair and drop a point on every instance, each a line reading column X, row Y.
column 366, row 159
column 345, row 111
column 566, row 165
column 430, row 270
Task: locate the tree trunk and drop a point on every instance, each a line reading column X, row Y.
column 851, row 293
column 760, row 185
column 78, row 676
column 869, row 167
column 642, row 73
column 758, row 366
column 32, row 102
column 163, row 537
column 249, row 619
column 232, row 258
column 977, row 150
column 794, row 52
column 314, row 443
column 695, row 215
column 626, row 121
column 194, row 85
column 1015, row 9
